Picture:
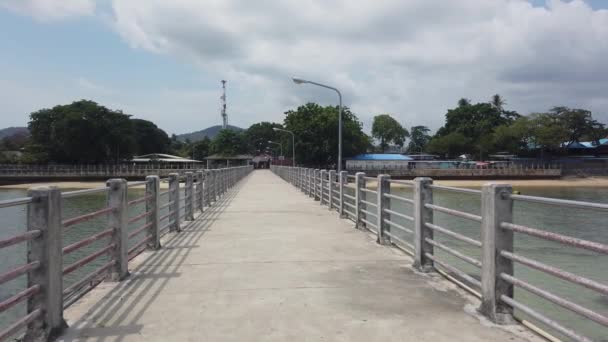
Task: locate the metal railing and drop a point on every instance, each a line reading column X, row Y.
column 57, row 275
column 407, row 223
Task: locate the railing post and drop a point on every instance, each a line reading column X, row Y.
column 423, row 194
column 359, row 195
column 174, row 198
column 44, row 214
column 383, row 202
column 316, row 184
column 207, row 188
column 343, row 178
column 189, row 198
column 322, row 192
column 200, row 191
column 152, row 205
column 331, row 175
column 496, row 207
column 118, row 220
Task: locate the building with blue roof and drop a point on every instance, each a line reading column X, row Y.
column 378, row 161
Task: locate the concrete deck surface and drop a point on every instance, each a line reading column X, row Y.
column 267, row 263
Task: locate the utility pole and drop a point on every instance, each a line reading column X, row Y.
column 224, row 114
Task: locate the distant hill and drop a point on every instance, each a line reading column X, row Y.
column 7, row 132
column 209, row 132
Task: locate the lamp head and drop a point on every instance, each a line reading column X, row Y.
column 298, row 80
column 270, row 141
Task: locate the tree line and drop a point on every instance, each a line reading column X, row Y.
column 86, row 132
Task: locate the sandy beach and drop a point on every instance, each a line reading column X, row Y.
column 470, row 183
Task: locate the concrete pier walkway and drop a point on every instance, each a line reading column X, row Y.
column 267, row 263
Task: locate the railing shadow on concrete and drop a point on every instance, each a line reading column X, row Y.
column 148, row 280
column 370, row 208
column 45, row 295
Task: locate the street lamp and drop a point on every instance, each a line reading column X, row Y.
column 301, row 81
column 293, row 144
column 276, row 143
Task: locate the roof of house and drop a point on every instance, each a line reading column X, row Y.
column 235, row 157
column 381, row 156
column 163, row 158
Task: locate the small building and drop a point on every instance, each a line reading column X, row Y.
column 217, row 161
column 162, row 158
column 261, row 161
column 378, row 161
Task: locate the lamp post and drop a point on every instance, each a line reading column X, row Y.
column 293, row 144
column 301, row 81
column 276, row 143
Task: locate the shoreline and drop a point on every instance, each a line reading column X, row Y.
column 589, row 182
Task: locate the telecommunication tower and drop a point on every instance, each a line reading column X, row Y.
column 224, row 114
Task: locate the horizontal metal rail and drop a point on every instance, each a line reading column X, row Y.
column 454, row 270
column 24, row 321
column 368, row 203
column 350, row 186
column 166, row 216
column 15, row 201
column 140, row 216
column 367, row 212
column 139, row 244
column 350, row 205
column 335, row 191
column 27, row 236
column 370, row 178
column 87, row 241
column 403, row 242
column 71, row 194
column 166, row 205
column 560, row 202
column 349, row 213
column 398, row 214
column 132, row 184
column 564, row 239
column 140, row 229
column 373, row 192
column 82, row 218
column 592, row 315
column 453, row 234
column 89, row 277
column 18, row 271
column 453, row 212
column 392, row 196
column 455, row 189
column 398, row 226
column 588, row 283
column 454, row 252
column 542, row 318
column 404, row 182
column 71, row 268
column 165, row 228
column 367, row 223
column 349, row 197
column 19, row 297
column 139, row 200
column 166, row 192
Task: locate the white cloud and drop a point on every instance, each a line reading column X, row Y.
column 411, row 58
column 49, row 10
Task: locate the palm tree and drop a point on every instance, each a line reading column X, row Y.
column 498, row 102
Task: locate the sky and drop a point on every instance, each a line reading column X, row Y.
column 163, row 60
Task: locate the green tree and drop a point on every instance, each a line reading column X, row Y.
column 229, row 143
column 149, row 138
column 515, row 137
column 388, row 130
column 450, row 145
column 201, row 149
column 419, row 138
column 316, row 128
column 82, row 132
column 259, row 134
